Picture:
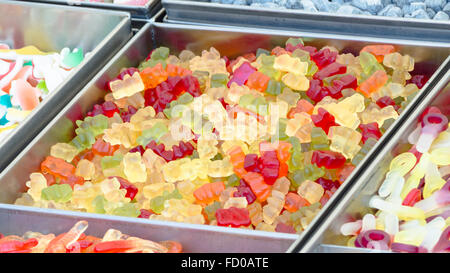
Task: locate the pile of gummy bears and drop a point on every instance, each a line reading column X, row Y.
column 412, row 212
column 27, row 76
column 75, row 241
column 261, row 141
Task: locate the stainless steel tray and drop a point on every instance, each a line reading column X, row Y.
column 51, row 28
column 17, row 220
column 136, row 12
column 198, row 12
column 355, row 202
column 178, row 37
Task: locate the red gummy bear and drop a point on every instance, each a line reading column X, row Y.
column 131, row 189
column 241, row 74
column 330, row 70
column 328, row 159
column 324, row 57
column 370, row 130
column 323, row 119
column 234, row 217
column 243, row 190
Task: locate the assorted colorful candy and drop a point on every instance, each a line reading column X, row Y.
column 75, row 241
column 412, row 203
column 261, row 141
column 418, row 9
column 27, row 76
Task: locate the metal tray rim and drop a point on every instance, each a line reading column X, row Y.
column 246, row 9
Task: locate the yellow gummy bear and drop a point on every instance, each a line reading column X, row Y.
column 85, row 169
column 64, row 151
column 123, row 134
column 399, row 62
column 134, row 167
column 153, row 190
column 36, row 184
column 373, row 113
column 344, row 140
column 127, row 87
column 220, row 168
column 296, row 81
column 112, row 191
column 290, row 64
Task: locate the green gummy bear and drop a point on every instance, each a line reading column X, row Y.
column 84, row 140
column 109, row 162
column 232, row 181
column 99, row 204
column 261, row 51
column 96, row 124
column 274, row 87
column 57, row 192
column 184, row 99
column 211, row 210
column 154, row 133
column 157, row 203
column 282, row 123
column 365, row 149
column 309, row 172
column 319, row 139
column 152, row 63
column 73, row 58
column 219, row 80
column 369, row 63
column 126, row 209
column 161, row 53
column 294, row 41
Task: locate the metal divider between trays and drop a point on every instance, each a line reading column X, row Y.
column 311, row 239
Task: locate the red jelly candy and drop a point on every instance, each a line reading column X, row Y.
column 251, row 163
column 131, row 189
column 370, row 130
column 324, row 57
column 270, row 167
column 241, row 74
column 419, row 80
column 328, row 184
column 234, row 217
column 243, row 190
column 126, row 116
column 323, row 119
column 315, row 91
column 145, row 213
column 330, row 70
column 328, row 159
column 412, row 198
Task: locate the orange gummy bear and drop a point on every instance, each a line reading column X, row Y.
column 294, row 201
column 302, row 106
column 103, row 148
column 258, row 81
column 377, row 80
column 209, row 192
column 152, row 76
column 379, row 51
column 258, row 186
column 57, row 167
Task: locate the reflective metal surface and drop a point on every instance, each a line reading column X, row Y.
column 51, row 28
column 138, row 12
column 202, row 12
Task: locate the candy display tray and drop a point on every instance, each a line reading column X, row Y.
column 355, row 202
column 62, row 27
column 136, row 12
column 196, row 38
column 203, row 12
